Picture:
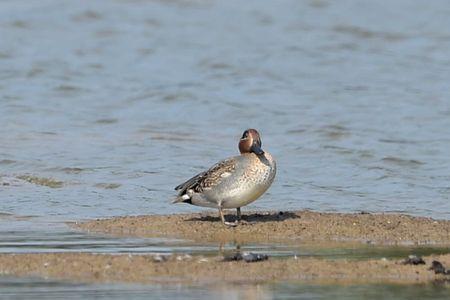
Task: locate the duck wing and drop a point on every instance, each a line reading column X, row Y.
column 209, row 178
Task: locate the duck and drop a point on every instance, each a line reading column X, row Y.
column 233, row 182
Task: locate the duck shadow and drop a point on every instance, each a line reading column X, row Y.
column 251, row 218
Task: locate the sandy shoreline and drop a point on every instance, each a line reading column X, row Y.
column 86, row 267
column 386, row 229
column 267, row 227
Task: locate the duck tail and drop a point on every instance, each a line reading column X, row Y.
column 181, row 198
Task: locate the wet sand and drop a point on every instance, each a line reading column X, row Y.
column 268, row 227
column 85, row 267
column 386, row 229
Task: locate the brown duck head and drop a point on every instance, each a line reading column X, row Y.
column 250, row 142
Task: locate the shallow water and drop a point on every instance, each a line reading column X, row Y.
column 122, row 100
column 105, row 106
column 47, row 289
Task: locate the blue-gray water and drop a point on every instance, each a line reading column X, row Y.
column 48, row 289
column 122, row 100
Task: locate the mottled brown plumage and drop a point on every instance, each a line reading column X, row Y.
column 207, row 179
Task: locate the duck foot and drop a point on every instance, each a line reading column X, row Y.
column 231, row 224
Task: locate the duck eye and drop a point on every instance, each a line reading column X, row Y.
column 245, row 135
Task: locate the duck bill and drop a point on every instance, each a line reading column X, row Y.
column 257, row 149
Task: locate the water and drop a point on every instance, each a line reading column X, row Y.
column 119, row 101
column 47, row 289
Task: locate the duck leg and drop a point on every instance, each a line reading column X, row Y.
column 223, row 218
column 238, row 214
column 221, row 215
